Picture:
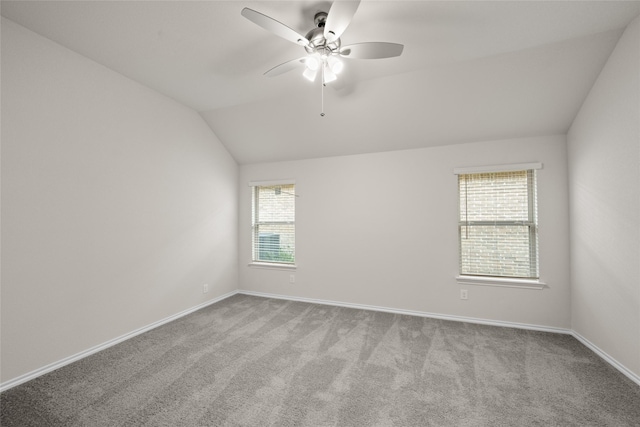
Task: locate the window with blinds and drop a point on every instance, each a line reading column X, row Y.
column 498, row 224
column 273, row 223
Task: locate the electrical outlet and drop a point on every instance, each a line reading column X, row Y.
column 205, row 288
column 292, row 278
column 463, row 294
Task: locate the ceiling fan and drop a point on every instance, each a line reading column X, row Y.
column 322, row 43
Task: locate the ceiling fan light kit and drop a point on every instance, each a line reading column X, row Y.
column 322, row 43
column 310, row 74
column 331, row 65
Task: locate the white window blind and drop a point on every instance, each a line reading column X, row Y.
column 498, row 227
column 273, row 223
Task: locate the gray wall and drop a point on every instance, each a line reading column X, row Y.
column 604, row 154
column 118, row 204
column 382, row 229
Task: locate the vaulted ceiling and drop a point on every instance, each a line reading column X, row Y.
column 470, row 70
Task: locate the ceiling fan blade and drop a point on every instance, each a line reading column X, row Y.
column 276, row 27
column 285, row 67
column 372, row 50
column 339, row 17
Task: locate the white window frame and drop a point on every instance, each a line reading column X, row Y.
column 268, row 264
column 512, row 282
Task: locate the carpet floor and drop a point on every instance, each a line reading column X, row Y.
column 251, row 361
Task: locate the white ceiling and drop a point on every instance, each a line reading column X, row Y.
column 470, row 70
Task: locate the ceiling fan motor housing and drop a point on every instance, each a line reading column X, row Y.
column 317, row 41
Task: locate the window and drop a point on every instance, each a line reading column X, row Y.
column 273, row 223
column 498, row 225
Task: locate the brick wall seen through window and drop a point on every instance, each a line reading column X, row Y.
column 498, row 224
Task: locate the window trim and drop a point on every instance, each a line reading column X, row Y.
column 272, row 182
column 274, row 265
column 497, row 168
column 504, row 281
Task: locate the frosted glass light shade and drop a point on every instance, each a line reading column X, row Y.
column 310, row 74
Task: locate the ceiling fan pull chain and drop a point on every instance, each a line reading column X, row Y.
column 322, row 85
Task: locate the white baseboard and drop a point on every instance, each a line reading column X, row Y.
column 610, row 360
column 415, row 313
column 56, row 365
column 67, row 360
column 613, row 362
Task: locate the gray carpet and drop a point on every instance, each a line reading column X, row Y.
column 250, row 361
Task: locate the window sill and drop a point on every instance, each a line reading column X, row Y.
column 501, row 282
column 272, row 266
